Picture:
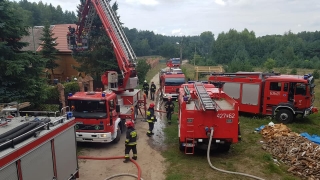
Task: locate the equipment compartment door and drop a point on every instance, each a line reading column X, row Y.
column 9, row 172
column 38, row 164
column 250, row 101
column 66, row 154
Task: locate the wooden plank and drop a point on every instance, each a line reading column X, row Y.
column 207, row 70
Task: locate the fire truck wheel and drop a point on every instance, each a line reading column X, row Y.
column 181, row 147
column 284, row 116
column 224, row 148
column 117, row 139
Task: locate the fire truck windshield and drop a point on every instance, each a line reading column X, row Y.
column 176, row 61
column 88, row 108
column 174, row 81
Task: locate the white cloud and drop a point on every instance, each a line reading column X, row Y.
column 220, row 2
column 191, row 17
column 143, row 2
column 176, row 31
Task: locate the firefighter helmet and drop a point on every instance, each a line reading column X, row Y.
column 145, row 81
column 129, row 124
column 169, row 98
column 151, row 105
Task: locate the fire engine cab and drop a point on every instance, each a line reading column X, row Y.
column 203, row 107
column 100, row 116
column 170, row 81
column 279, row 96
column 174, row 62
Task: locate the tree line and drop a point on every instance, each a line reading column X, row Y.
column 21, row 74
column 37, row 14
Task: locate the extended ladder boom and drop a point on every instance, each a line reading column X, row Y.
column 124, row 53
column 206, row 102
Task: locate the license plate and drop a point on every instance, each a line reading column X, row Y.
column 79, row 122
column 188, row 144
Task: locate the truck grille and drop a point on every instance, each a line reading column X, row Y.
column 89, row 127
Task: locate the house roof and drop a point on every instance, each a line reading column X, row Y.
column 33, row 39
column 59, row 31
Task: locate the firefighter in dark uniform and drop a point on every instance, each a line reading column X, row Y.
column 152, row 90
column 169, row 109
column 151, row 119
column 146, row 87
column 131, row 142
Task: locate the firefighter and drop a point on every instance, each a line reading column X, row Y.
column 146, row 87
column 152, row 90
column 151, row 119
column 169, row 109
column 131, row 142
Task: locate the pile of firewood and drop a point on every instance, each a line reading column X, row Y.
column 300, row 154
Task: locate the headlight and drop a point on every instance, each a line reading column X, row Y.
column 103, row 135
column 164, row 95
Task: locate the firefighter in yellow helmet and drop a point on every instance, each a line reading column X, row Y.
column 151, row 119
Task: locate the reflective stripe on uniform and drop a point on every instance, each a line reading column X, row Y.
column 126, row 156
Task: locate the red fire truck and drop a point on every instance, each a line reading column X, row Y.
column 170, row 81
column 38, row 147
column 100, row 116
column 272, row 94
column 204, row 107
column 173, row 62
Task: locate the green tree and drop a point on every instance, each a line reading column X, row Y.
column 101, row 56
column 269, row 64
column 49, row 51
column 20, row 72
column 142, row 68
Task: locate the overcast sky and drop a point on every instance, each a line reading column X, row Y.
column 192, row 17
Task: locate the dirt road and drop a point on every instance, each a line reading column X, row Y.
column 149, row 154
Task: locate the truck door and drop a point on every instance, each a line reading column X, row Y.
column 300, row 95
column 274, row 94
column 112, row 111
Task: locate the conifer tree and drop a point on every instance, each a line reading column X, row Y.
column 20, row 72
column 49, row 50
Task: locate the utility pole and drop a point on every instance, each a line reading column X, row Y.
column 195, row 51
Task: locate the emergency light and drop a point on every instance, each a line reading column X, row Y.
column 103, row 95
column 70, row 94
column 306, row 76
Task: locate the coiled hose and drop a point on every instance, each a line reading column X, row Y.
column 116, row 157
column 225, row 171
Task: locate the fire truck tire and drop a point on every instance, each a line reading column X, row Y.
column 117, row 139
column 224, row 148
column 284, row 116
column 181, row 147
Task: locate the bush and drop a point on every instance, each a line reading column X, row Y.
column 71, row 87
column 294, row 71
column 316, row 74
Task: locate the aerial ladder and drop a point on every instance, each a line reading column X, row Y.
column 124, row 53
column 206, row 103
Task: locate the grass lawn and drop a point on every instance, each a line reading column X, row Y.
column 246, row 156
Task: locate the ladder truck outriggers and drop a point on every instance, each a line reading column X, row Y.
column 202, row 108
column 271, row 94
column 100, row 116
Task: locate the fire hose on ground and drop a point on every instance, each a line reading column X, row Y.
column 116, row 157
column 225, row 171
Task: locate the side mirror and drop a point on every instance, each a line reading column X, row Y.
column 117, row 108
